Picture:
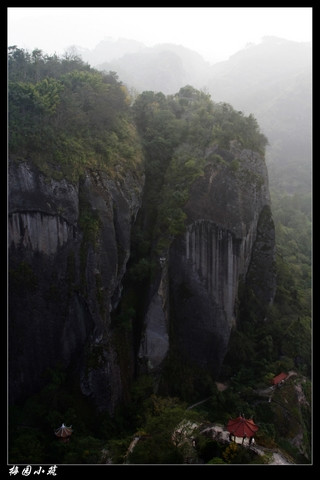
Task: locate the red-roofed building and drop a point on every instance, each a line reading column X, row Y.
column 279, row 378
column 242, row 427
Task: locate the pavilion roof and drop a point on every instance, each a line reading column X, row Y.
column 278, row 378
column 242, row 427
column 63, row 431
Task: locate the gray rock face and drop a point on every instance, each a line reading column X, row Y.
column 155, row 342
column 229, row 228
column 39, row 231
column 31, row 192
column 68, row 250
column 229, row 237
column 65, row 278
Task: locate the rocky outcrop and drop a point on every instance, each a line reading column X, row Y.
column 68, row 249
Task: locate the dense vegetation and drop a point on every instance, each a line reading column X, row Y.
column 67, row 117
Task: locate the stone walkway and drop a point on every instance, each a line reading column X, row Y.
column 278, row 459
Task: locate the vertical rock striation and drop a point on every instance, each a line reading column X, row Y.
column 229, row 226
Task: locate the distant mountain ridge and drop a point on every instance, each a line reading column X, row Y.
column 109, row 50
column 165, row 67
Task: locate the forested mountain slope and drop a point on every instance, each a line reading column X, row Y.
column 273, row 81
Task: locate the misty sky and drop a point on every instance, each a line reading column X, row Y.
column 214, row 32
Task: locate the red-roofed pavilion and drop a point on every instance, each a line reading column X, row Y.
column 242, row 427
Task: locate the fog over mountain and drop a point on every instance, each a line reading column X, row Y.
column 109, row 50
column 271, row 80
column 165, row 67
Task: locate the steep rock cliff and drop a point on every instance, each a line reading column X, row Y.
column 229, row 237
column 68, row 248
column 229, row 224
